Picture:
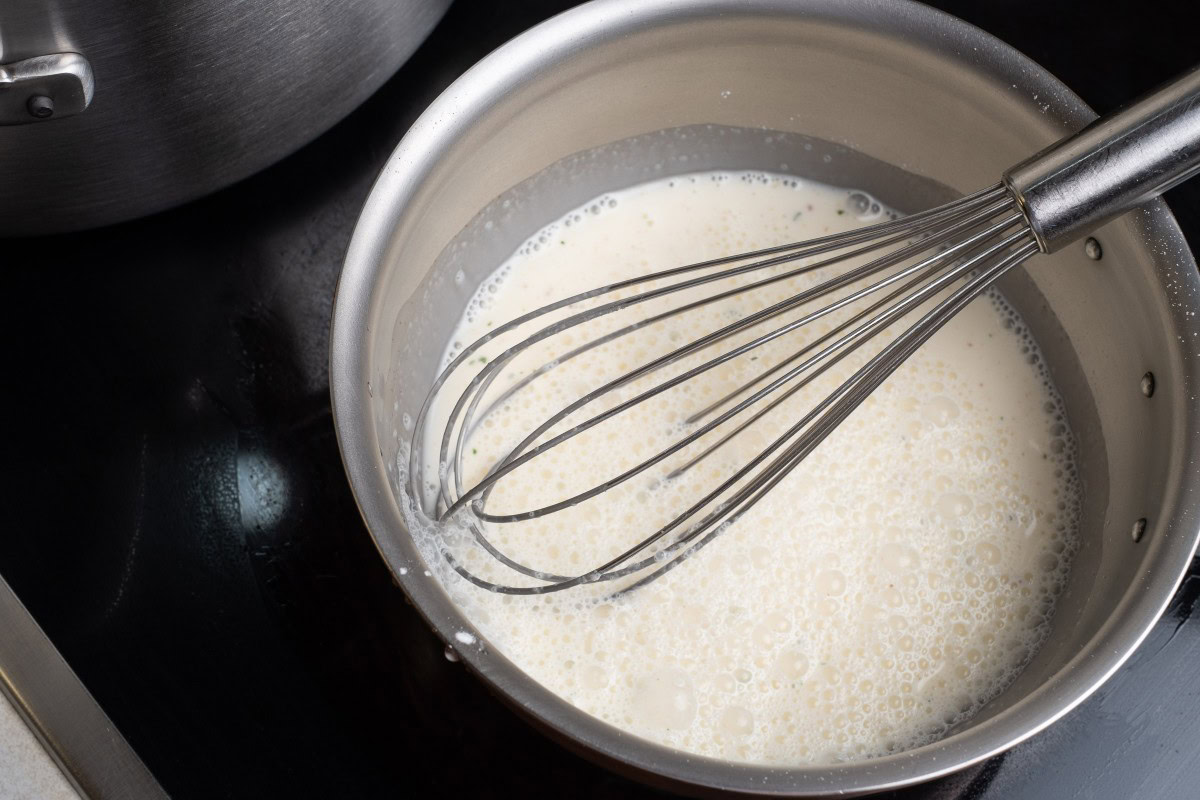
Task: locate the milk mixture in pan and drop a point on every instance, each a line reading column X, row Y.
column 893, row 583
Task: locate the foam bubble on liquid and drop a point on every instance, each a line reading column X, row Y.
column 889, row 587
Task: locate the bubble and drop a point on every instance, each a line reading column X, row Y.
column 939, row 411
column 952, row 505
column 829, row 674
column 862, row 206
column 736, row 722
column 899, row 558
column 830, row 582
column 791, row 666
column 988, row 553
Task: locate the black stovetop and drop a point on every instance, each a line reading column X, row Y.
column 179, row 522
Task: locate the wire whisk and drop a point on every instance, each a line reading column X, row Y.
column 891, row 285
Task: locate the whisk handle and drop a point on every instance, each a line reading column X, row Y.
column 1117, row 162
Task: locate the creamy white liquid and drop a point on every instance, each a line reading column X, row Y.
column 886, row 589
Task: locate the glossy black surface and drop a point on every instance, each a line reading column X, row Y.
column 176, row 516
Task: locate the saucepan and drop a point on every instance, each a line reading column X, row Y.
column 112, row 109
column 904, row 101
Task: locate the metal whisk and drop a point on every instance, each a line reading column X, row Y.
column 863, row 282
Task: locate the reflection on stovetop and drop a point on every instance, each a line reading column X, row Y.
column 179, row 522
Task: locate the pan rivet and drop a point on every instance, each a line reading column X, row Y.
column 40, row 106
column 1139, row 530
column 1093, row 249
column 1148, row 384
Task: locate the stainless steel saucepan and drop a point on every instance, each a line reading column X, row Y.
column 892, row 97
column 111, row 109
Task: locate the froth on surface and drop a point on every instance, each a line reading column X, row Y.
column 883, row 592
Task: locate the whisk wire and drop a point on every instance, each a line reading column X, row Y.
column 971, row 241
column 791, row 251
column 520, row 455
